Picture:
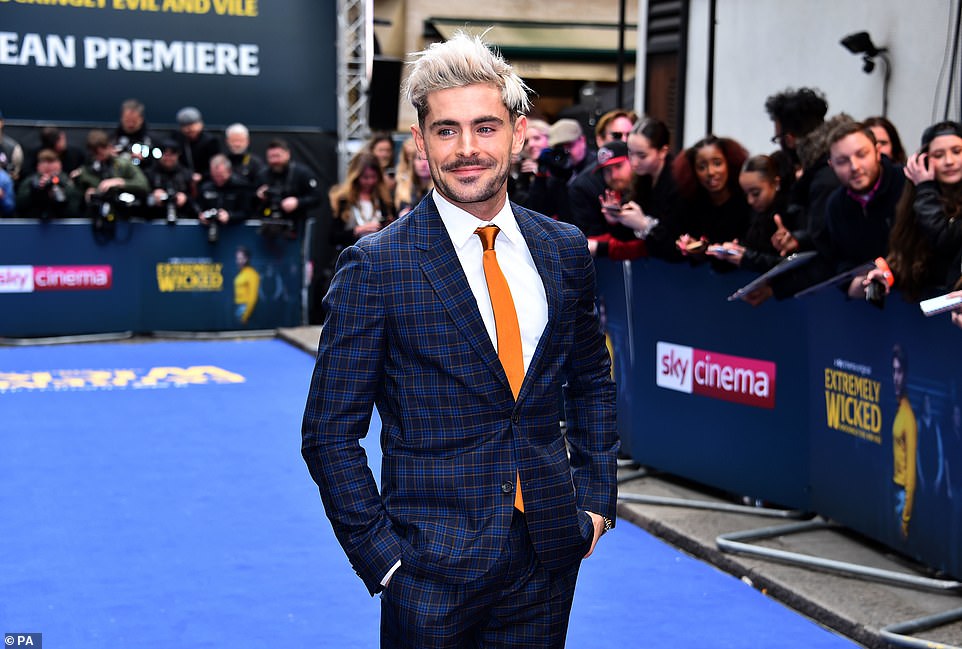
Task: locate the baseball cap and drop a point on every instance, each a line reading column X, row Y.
column 564, row 131
column 612, row 153
column 188, row 115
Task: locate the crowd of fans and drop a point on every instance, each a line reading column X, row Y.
column 846, row 190
column 843, row 190
column 189, row 173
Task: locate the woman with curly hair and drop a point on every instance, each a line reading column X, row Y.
column 712, row 206
column 925, row 246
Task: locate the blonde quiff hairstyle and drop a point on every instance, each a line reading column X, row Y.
column 461, row 61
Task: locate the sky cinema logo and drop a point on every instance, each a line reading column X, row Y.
column 747, row 381
column 29, row 279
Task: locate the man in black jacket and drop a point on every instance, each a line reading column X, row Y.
column 286, row 190
column 197, row 145
column 859, row 214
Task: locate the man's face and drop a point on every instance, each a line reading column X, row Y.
column 237, row 143
column 785, row 140
column 169, row 158
column 616, row 129
column 192, row 131
column 898, row 377
column 277, row 158
column 468, row 139
column 103, row 153
column 577, row 149
column 131, row 120
column 618, row 176
column 49, row 167
column 219, row 173
column 856, row 161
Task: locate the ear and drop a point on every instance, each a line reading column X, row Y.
column 517, row 137
column 418, row 139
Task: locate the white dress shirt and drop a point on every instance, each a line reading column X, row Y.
column 514, row 258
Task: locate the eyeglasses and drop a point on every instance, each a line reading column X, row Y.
column 617, row 135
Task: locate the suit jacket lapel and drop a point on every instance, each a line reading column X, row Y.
column 443, row 271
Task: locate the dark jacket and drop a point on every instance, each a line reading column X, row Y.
column 234, row 196
column 854, row 235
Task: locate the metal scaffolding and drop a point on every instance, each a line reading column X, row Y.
column 355, row 59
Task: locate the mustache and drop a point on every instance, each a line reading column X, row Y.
column 468, row 162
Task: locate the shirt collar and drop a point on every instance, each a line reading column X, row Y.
column 866, row 198
column 461, row 225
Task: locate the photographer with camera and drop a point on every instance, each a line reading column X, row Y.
column 286, row 191
column 197, row 145
column 224, row 198
column 247, row 165
column 132, row 138
column 111, row 185
column 559, row 165
column 172, row 186
column 49, row 193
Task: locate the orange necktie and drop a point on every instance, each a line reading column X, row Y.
column 505, row 324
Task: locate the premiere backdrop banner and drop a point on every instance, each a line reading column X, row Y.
column 267, row 63
column 59, row 279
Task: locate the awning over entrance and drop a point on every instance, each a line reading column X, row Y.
column 581, row 42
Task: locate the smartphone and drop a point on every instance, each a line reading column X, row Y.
column 720, row 250
column 940, row 304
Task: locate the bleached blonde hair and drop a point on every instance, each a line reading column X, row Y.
column 463, row 60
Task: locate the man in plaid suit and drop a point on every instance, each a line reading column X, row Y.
column 410, row 328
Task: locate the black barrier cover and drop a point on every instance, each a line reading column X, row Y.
column 794, row 402
column 266, row 64
column 58, row 279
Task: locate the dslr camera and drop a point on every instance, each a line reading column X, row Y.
column 555, row 161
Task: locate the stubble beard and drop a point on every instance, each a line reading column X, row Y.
column 467, row 193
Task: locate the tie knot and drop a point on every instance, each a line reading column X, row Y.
column 487, row 234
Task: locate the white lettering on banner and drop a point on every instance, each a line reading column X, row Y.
column 131, row 55
column 49, row 51
column 747, row 381
column 184, row 57
column 16, row 279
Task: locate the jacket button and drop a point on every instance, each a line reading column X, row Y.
column 507, row 487
column 516, row 419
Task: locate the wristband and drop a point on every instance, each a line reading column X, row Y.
column 883, row 266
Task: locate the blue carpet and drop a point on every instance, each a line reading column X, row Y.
column 153, row 495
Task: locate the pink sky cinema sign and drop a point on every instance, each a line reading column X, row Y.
column 720, row 376
column 29, row 279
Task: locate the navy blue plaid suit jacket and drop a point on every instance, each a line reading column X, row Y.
column 403, row 331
